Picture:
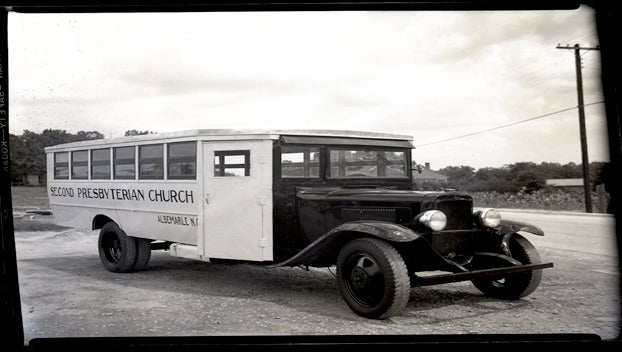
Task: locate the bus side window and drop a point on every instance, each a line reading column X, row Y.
column 151, row 162
column 80, row 165
column 124, row 166
column 100, row 164
column 182, row 161
column 61, row 166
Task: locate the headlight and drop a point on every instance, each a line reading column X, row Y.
column 489, row 217
column 435, row 220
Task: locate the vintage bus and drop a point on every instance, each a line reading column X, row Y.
column 288, row 198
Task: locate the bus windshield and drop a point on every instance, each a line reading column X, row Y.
column 354, row 163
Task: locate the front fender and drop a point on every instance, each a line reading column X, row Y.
column 510, row 226
column 381, row 229
column 325, row 249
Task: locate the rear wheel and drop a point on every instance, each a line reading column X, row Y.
column 117, row 251
column 143, row 253
column 514, row 286
column 373, row 278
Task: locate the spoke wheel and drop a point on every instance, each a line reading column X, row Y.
column 514, row 286
column 365, row 282
column 373, row 278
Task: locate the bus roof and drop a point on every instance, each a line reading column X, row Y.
column 229, row 134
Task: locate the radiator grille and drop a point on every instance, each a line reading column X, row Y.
column 459, row 213
column 360, row 213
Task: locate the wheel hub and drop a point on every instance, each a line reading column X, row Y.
column 359, row 278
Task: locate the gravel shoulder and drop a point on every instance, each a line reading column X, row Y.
column 67, row 292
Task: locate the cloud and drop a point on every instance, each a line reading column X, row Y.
column 432, row 75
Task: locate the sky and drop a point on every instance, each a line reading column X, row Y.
column 459, row 83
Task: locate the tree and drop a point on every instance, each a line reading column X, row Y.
column 597, row 171
column 136, row 133
column 526, row 176
column 19, row 154
column 528, row 182
column 89, row 135
column 492, row 179
column 430, row 186
column 521, row 176
column 28, row 149
column 459, row 177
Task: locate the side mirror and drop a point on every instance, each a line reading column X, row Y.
column 418, row 167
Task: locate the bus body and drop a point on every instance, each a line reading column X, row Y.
column 288, row 198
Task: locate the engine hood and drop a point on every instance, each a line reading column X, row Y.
column 376, row 194
column 334, row 206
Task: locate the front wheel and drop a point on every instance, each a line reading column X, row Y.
column 373, row 278
column 514, row 286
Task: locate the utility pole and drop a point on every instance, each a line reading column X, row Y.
column 584, row 159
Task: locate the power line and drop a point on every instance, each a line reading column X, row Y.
column 506, row 125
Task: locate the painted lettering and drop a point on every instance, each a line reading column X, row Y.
column 171, row 196
column 153, row 195
column 92, row 193
column 61, row 192
column 178, row 220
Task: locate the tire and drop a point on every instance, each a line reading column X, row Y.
column 373, row 278
column 117, row 251
column 143, row 253
column 517, row 285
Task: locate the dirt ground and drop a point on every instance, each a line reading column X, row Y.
column 66, row 292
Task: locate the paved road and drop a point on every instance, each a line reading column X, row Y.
column 577, row 232
column 66, row 292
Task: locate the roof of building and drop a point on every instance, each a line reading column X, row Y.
column 428, row 175
column 564, row 182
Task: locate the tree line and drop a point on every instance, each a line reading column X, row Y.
column 28, row 158
column 28, row 149
column 527, row 177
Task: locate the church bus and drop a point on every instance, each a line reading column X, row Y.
column 289, row 198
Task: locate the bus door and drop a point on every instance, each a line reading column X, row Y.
column 233, row 201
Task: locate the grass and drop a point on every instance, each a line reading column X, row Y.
column 31, row 198
column 555, row 200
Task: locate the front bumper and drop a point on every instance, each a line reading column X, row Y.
column 474, row 274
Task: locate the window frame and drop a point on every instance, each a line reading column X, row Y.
column 379, row 163
column 307, row 164
column 79, row 163
column 219, row 169
column 94, row 162
column 125, row 161
column 58, row 164
column 150, row 161
column 191, row 159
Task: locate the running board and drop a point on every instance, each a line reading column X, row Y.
column 475, row 274
column 186, row 251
